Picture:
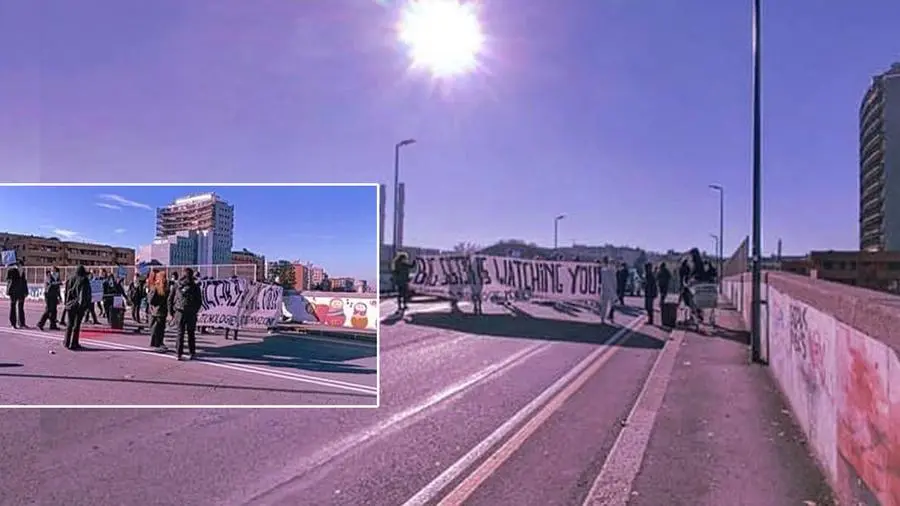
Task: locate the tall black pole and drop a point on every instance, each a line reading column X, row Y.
column 556, row 233
column 396, row 199
column 721, row 236
column 756, row 306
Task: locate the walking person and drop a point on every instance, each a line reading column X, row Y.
column 607, row 291
column 78, row 300
column 663, row 278
column 400, row 268
column 52, row 285
column 109, row 293
column 17, row 291
column 158, row 300
column 622, row 282
column 187, row 303
column 90, row 312
column 172, row 284
column 650, row 291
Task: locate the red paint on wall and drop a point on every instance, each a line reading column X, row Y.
column 862, row 429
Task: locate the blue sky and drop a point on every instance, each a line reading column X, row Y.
column 618, row 113
column 334, row 227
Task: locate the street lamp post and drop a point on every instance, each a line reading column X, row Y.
column 721, row 250
column 397, row 147
column 756, row 305
column 715, row 241
column 556, row 230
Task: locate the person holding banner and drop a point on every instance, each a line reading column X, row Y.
column 607, row 291
column 400, row 267
column 650, row 291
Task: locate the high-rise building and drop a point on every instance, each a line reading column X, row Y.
column 879, row 164
column 207, row 215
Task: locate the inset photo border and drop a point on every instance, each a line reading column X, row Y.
column 104, row 284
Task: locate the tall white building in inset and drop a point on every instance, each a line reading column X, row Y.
column 208, row 217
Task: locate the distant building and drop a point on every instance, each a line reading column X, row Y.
column 245, row 257
column 361, row 286
column 302, row 276
column 207, row 215
column 316, row 275
column 342, row 284
column 177, row 249
column 35, row 250
column 879, row 164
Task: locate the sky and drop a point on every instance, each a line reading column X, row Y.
column 331, row 226
column 618, row 113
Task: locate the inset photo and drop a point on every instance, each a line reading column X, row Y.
column 189, row 296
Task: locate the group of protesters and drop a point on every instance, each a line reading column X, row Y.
column 656, row 282
column 176, row 301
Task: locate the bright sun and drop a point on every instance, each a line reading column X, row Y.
column 444, row 36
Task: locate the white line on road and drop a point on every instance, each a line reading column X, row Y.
column 315, row 380
column 613, row 485
column 402, row 419
column 428, row 494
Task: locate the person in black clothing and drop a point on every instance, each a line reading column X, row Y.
column 187, row 303
column 109, row 292
column 400, row 268
column 229, row 332
column 51, row 299
column 90, row 312
column 136, row 293
column 712, row 275
column 173, row 283
column 621, row 282
column 158, row 303
column 17, row 291
column 649, row 291
column 78, row 300
column 663, row 278
column 695, row 273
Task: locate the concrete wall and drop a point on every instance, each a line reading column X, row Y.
column 833, row 350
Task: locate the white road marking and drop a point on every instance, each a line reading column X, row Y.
column 402, row 419
column 302, row 378
column 613, row 485
column 431, row 491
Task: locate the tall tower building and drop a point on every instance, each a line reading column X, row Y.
column 209, row 217
column 879, row 164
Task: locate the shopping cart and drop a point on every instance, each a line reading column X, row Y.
column 705, row 299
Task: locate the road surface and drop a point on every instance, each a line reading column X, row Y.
column 459, row 394
column 116, row 368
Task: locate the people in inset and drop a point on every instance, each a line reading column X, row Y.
column 17, row 291
column 78, row 300
column 400, row 268
column 608, row 287
column 136, row 293
column 229, row 332
column 109, row 293
column 663, row 277
column 696, row 273
column 187, row 303
column 477, row 284
column 650, row 291
column 172, row 284
column 90, row 311
column 52, row 285
column 622, row 282
column 158, row 301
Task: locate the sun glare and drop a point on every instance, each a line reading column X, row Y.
column 443, row 36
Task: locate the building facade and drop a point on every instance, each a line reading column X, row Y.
column 46, row 251
column 316, row 276
column 245, row 257
column 879, row 164
column 207, row 215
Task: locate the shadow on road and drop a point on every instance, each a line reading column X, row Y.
column 181, row 384
column 9, row 364
column 528, row 327
column 285, row 352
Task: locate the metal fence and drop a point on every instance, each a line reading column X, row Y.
column 35, row 273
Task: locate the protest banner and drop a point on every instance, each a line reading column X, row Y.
column 470, row 276
column 333, row 309
column 262, row 306
column 222, row 303
column 8, row 257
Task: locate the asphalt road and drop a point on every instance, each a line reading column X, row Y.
column 514, row 407
column 116, row 368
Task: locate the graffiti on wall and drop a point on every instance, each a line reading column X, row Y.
column 868, row 410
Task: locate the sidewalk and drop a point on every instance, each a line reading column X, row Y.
column 723, row 433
